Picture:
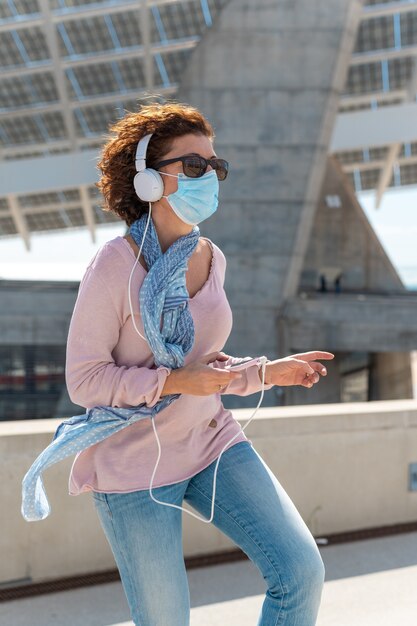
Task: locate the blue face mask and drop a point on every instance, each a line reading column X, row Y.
column 196, row 198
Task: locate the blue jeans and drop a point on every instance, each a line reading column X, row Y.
column 251, row 507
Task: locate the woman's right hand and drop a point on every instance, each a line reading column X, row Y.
column 198, row 378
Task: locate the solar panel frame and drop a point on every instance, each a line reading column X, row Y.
column 84, row 39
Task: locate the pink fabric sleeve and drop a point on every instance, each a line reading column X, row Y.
column 250, row 381
column 91, row 375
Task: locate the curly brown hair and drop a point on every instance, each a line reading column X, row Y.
column 166, row 120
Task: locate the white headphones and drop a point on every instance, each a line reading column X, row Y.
column 148, row 183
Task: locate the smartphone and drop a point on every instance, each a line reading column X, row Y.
column 243, row 363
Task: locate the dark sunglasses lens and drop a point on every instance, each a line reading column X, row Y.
column 193, row 166
column 222, row 167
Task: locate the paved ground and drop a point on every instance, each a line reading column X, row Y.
column 368, row 583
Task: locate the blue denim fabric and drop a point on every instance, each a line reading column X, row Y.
column 162, row 291
column 251, row 508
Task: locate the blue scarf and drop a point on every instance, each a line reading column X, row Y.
column 163, row 292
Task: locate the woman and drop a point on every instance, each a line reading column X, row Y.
column 108, row 363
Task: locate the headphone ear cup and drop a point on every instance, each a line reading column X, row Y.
column 149, row 185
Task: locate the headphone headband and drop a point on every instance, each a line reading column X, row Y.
column 140, row 161
column 148, row 183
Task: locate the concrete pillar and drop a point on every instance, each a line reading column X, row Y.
column 268, row 75
column 391, row 376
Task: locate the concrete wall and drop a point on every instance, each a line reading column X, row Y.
column 268, row 76
column 351, row 322
column 392, row 376
column 345, row 466
column 343, row 240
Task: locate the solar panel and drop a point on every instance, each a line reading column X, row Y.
column 375, row 34
column 99, row 72
column 17, row 8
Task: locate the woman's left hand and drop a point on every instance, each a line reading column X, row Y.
column 297, row 369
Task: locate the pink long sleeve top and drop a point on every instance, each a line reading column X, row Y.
column 108, row 363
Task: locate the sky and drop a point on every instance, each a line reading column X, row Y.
column 395, row 223
column 65, row 255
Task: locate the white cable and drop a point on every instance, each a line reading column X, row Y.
column 175, row 506
column 263, row 360
column 130, row 277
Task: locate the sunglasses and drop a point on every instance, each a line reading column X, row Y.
column 195, row 166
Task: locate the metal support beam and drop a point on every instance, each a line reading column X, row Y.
column 11, row 23
column 69, row 171
column 386, row 172
column 389, row 8
column 146, row 38
column 19, row 219
column 364, row 129
column 25, row 70
column 27, row 151
column 79, row 13
column 365, row 166
column 371, row 97
column 48, row 208
column 112, row 7
column 132, row 94
column 59, row 74
column 88, row 211
column 85, row 60
column 395, row 148
column 374, row 56
column 186, row 43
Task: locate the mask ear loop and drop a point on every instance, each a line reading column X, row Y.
column 173, row 176
column 166, row 174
